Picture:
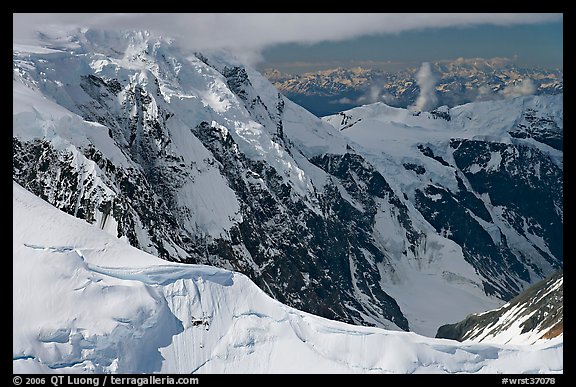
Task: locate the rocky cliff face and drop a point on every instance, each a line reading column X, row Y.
column 535, row 314
column 195, row 158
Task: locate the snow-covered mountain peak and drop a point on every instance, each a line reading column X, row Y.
column 533, row 121
column 83, row 40
column 492, row 117
column 198, row 159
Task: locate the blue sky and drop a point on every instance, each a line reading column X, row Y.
column 532, row 45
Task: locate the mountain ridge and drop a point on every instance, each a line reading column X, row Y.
column 457, row 82
column 534, row 315
column 72, row 281
column 196, row 158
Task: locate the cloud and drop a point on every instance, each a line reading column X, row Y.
column 344, row 100
column 485, row 93
column 426, row 80
column 374, row 93
column 495, row 61
column 389, row 99
column 251, row 32
column 526, row 87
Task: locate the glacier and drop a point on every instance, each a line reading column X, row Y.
column 466, row 147
column 196, row 158
column 87, row 302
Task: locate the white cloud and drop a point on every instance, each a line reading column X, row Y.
column 526, row 87
column 258, row 30
column 426, row 80
column 374, row 94
column 485, row 93
column 389, row 98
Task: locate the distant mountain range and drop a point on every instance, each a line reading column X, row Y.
column 457, row 82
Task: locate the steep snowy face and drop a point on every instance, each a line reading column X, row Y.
column 194, row 159
column 535, row 315
column 487, row 176
column 198, row 159
column 86, row 302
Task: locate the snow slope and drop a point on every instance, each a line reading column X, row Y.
column 535, row 315
column 474, row 154
column 193, row 157
column 84, row 301
column 387, row 133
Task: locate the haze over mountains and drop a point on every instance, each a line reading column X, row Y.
column 375, row 216
column 455, row 82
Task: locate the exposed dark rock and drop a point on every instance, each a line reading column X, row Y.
column 540, row 308
column 541, row 128
column 523, row 181
column 426, row 151
column 420, row 170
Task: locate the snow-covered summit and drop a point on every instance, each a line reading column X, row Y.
column 493, row 120
column 195, row 158
column 471, row 171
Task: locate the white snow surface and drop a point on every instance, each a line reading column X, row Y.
column 45, row 106
column 382, row 129
column 513, row 321
column 433, row 288
column 85, row 302
column 437, row 284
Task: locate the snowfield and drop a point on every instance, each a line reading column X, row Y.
column 86, row 302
